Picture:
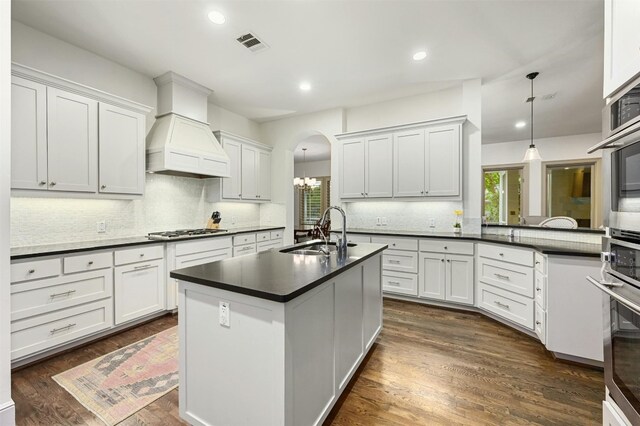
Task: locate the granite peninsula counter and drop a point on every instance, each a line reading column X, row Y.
column 274, row 338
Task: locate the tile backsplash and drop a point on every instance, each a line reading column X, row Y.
column 169, row 203
column 547, row 234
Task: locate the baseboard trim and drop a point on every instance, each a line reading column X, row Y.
column 8, row 414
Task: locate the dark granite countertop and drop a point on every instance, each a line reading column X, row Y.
column 273, row 275
column 545, row 246
column 74, row 247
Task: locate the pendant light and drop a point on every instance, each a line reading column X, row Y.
column 532, row 153
column 304, row 183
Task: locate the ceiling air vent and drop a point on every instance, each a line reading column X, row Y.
column 252, row 42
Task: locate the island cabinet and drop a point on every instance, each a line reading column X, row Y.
column 247, row 360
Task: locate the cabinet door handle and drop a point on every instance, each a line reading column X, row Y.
column 537, row 262
column 538, row 323
column 42, row 182
column 502, row 277
column 141, row 254
column 65, row 293
column 502, row 305
column 501, row 254
column 103, row 186
column 90, row 262
column 31, row 271
column 446, row 248
column 362, row 193
column 441, row 260
column 52, row 184
column 422, row 192
column 538, row 289
column 239, row 195
column 66, row 327
column 448, row 261
column 142, row 267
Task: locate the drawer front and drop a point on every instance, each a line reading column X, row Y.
column 202, row 258
column 276, row 235
column 199, row 246
column 139, row 254
column 356, row 238
column 35, row 334
column 400, row 261
column 245, row 249
column 540, row 288
column 87, row 262
column 522, row 257
column 513, row 307
column 35, row 269
column 446, row 246
column 507, row 276
column 268, row 245
column 400, row 283
column 397, row 243
column 540, row 326
column 540, row 262
column 239, row 240
column 263, row 236
column 42, row 296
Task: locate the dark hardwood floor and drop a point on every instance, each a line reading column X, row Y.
column 430, row 366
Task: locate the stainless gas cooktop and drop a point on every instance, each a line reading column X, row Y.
column 183, row 233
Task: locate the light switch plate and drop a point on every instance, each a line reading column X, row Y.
column 101, row 226
column 224, row 313
column 432, row 223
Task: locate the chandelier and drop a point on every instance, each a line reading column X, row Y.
column 304, row 183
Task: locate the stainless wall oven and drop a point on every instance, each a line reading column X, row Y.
column 620, row 280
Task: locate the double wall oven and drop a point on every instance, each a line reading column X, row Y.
column 620, row 273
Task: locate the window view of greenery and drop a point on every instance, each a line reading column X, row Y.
column 503, row 196
column 312, row 204
column 569, row 192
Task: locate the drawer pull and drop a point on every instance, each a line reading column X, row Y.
column 502, row 277
column 31, row 271
column 42, row 183
column 65, row 328
column 446, row 248
column 141, row 254
column 394, row 282
column 65, row 293
column 502, row 305
column 538, row 323
column 394, row 261
column 393, row 244
column 142, row 267
column 90, row 263
column 537, row 262
column 501, row 254
column 441, row 260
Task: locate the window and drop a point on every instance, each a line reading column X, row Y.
column 503, row 196
column 569, row 192
column 314, row 201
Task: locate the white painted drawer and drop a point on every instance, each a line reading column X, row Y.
column 268, row 245
column 540, row 326
column 35, row 269
column 356, row 238
column 203, row 257
column 540, row 287
column 506, row 254
column 446, row 246
column 87, row 262
column 540, row 262
column 42, row 296
column 36, row 334
column 400, row 283
column 139, row 254
column 245, row 249
column 401, row 261
column 239, row 240
column 511, row 306
column 205, row 244
column 276, row 235
column 397, row 243
column 263, row 236
column 507, row 276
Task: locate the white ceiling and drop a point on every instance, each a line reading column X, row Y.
column 354, row 52
column 318, row 149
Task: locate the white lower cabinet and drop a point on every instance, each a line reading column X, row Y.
column 446, row 275
column 540, row 326
column 514, row 307
column 459, row 279
column 139, row 290
column 400, row 282
column 611, row 416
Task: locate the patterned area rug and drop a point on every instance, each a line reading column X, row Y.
column 118, row 384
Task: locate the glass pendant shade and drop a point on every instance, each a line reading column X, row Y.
column 531, row 154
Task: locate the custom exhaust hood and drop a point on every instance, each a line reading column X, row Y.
column 181, row 142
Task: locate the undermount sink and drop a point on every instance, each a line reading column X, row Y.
column 313, row 248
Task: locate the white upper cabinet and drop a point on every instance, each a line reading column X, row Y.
column 352, row 169
column 415, row 160
column 72, row 131
column 621, row 43
column 121, row 150
column 231, row 186
column 70, row 138
column 442, row 161
column 28, row 134
column 250, row 167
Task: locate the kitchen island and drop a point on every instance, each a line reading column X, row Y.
column 274, row 338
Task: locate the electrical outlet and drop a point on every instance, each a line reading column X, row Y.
column 432, row 223
column 233, row 220
column 378, row 221
column 384, row 221
column 101, row 226
column 224, row 313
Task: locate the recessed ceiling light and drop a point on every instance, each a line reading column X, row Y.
column 418, row 56
column 305, row 86
column 217, row 17
column 520, row 124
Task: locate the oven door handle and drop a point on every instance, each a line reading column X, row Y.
column 604, row 287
